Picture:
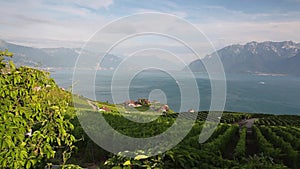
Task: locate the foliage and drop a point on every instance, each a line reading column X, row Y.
column 189, row 153
column 264, row 146
column 279, row 120
column 240, row 150
column 219, row 144
column 139, row 161
column 227, row 117
column 260, row 161
column 32, row 103
column 285, row 147
column 3, row 54
column 288, row 136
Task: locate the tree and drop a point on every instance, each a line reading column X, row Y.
column 2, row 55
column 32, row 103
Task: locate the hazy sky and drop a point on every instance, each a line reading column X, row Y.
column 69, row 23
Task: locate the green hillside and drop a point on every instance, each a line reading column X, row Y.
column 39, row 128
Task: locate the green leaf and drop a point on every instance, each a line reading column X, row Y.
column 4, row 162
column 140, row 157
column 127, row 163
column 58, row 141
column 7, row 53
column 33, row 161
column 23, row 154
column 28, row 165
column 12, row 65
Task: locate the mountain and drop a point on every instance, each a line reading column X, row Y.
column 254, row 57
column 53, row 57
column 290, row 65
column 25, row 55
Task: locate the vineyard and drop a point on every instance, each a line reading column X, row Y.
column 39, row 128
column 280, row 120
column 276, row 146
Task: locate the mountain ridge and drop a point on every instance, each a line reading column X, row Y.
column 263, row 57
column 252, row 57
column 65, row 58
column 60, row 57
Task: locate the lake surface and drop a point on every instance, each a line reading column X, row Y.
column 245, row 92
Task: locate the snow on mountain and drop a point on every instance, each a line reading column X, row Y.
column 267, row 57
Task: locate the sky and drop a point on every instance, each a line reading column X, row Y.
column 71, row 23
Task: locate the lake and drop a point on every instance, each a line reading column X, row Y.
column 245, row 92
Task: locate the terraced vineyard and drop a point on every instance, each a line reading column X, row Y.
column 276, row 145
column 278, row 137
column 227, row 117
column 281, row 120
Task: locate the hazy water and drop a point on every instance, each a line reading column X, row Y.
column 245, row 93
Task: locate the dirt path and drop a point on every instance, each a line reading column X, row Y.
column 250, row 122
column 95, row 107
column 251, row 145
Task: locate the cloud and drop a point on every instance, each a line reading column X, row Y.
column 48, row 22
column 66, row 10
column 32, row 20
column 225, row 33
column 71, row 22
column 210, row 13
column 94, row 4
column 178, row 13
